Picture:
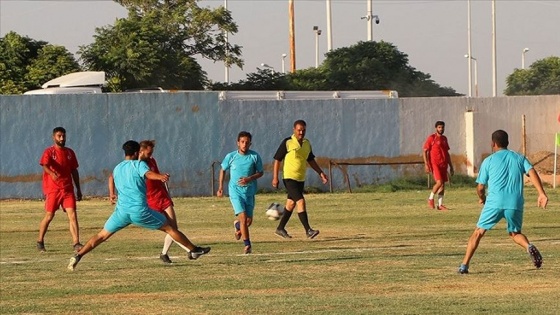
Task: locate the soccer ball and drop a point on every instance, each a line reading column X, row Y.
column 274, row 211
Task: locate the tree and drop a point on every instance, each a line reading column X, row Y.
column 262, row 80
column 541, row 78
column 25, row 63
column 155, row 45
column 364, row 66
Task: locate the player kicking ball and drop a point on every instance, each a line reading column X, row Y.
column 132, row 208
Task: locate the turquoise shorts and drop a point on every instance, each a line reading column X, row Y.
column 491, row 216
column 243, row 204
column 146, row 218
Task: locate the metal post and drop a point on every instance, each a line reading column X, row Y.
column 292, row 36
column 494, row 53
column 369, row 21
column 523, row 57
column 227, row 51
column 329, row 26
column 469, row 47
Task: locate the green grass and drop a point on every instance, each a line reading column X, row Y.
column 378, row 253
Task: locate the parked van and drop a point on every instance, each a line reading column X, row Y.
column 85, row 82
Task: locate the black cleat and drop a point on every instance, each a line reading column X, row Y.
column 311, row 234
column 282, row 233
column 197, row 252
column 165, row 258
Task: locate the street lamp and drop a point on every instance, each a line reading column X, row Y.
column 317, row 33
column 523, row 57
column 475, row 74
column 284, row 63
column 370, row 18
column 264, row 65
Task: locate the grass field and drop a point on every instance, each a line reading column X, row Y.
column 378, row 253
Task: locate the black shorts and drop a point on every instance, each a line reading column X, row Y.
column 294, row 188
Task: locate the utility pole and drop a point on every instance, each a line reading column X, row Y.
column 329, row 26
column 494, row 57
column 227, row 51
column 292, row 36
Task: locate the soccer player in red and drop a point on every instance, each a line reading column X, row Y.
column 158, row 197
column 60, row 169
column 436, row 161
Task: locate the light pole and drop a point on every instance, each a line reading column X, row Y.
column 475, row 74
column 370, row 18
column 469, row 46
column 329, row 26
column 284, row 63
column 494, row 53
column 264, row 65
column 523, row 57
column 317, row 33
column 227, row 42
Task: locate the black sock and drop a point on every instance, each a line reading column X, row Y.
column 284, row 219
column 303, row 218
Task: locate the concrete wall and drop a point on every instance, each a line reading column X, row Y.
column 194, row 129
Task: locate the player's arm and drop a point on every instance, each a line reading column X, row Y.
column 448, row 157
column 48, row 170
column 112, row 191
column 76, row 178
column 481, row 192
column 275, row 171
column 542, row 199
column 220, row 191
column 278, row 158
column 155, row 176
column 319, row 171
column 426, row 156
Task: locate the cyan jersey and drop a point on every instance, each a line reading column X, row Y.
column 242, row 165
column 503, row 172
column 131, row 185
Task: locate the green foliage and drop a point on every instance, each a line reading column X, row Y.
column 26, row 64
column 541, row 78
column 154, row 45
column 262, row 80
column 364, row 66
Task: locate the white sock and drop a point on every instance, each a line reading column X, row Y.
column 166, row 244
column 440, row 200
column 431, row 195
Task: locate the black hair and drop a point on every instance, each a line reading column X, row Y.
column 500, row 138
column 300, row 122
column 131, row 147
column 59, row 129
column 439, row 123
column 244, row 134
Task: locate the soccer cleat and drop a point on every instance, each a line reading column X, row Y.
column 247, row 250
column 77, row 247
column 312, row 233
column 463, row 269
column 237, row 230
column 165, row 258
column 535, row 255
column 442, row 208
column 197, row 252
column 74, row 260
column 282, row 233
column 41, row 247
column 431, row 203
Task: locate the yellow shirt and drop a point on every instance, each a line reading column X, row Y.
column 295, row 156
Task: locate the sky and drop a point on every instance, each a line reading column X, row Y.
column 433, row 33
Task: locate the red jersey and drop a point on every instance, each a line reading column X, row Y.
column 155, row 189
column 438, row 148
column 62, row 161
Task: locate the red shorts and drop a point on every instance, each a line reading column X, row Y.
column 440, row 173
column 160, row 205
column 65, row 199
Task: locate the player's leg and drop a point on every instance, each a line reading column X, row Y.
column 288, row 209
column 169, row 212
column 514, row 220
column 488, row 218
column 93, row 242
column 69, row 206
column 437, row 186
column 52, row 203
column 441, row 191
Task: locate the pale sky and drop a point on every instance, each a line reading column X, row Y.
column 433, row 33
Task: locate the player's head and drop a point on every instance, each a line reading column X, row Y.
column 146, row 149
column 440, row 127
column 59, row 136
column 500, row 139
column 244, row 141
column 131, row 148
column 299, row 129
